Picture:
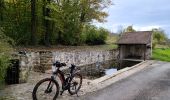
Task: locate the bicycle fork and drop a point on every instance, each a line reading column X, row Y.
column 50, row 85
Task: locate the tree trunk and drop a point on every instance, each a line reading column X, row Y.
column 1, row 9
column 59, row 40
column 33, row 22
column 47, row 24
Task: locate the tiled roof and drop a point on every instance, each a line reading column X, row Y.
column 140, row 37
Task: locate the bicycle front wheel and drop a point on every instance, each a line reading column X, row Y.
column 75, row 84
column 46, row 89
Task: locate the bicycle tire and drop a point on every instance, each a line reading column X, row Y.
column 34, row 96
column 80, row 84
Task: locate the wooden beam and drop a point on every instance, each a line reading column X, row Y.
column 138, row 60
column 145, row 53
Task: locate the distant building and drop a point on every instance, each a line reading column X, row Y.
column 135, row 46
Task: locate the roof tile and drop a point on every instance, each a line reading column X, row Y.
column 139, row 37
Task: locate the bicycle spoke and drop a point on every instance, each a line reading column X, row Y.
column 75, row 84
column 45, row 92
column 48, row 88
column 75, row 87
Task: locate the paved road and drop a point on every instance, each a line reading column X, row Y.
column 152, row 83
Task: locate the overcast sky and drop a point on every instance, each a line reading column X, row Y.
column 142, row 14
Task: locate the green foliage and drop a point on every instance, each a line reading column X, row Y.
column 161, row 54
column 5, row 50
column 130, row 29
column 70, row 16
column 4, row 63
column 95, row 36
column 159, row 37
column 122, row 30
column 112, row 38
column 16, row 20
column 65, row 21
column 153, row 44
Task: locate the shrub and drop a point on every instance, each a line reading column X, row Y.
column 95, row 36
column 5, row 50
column 103, row 34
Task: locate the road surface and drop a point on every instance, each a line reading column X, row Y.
column 151, row 83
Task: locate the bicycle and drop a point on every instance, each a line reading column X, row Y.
column 72, row 83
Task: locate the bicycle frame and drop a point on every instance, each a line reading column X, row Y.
column 64, row 81
column 60, row 74
column 68, row 82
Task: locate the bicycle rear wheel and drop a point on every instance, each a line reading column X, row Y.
column 75, row 84
column 46, row 89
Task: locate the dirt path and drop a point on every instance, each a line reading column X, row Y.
column 24, row 91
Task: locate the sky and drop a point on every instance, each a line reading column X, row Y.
column 142, row 14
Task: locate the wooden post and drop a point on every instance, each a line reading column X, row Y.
column 119, row 52
column 144, row 52
column 119, row 59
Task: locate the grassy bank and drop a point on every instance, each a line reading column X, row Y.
column 68, row 48
column 161, row 54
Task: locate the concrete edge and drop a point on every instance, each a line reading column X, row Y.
column 107, row 77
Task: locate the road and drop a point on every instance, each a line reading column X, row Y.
column 151, row 83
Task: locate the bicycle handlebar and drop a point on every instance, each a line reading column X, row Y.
column 58, row 64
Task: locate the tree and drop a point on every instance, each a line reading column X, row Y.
column 93, row 10
column 130, row 29
column 1, row 9
column 94, row 35
column 33, row 22
column 5, row 54
column 17, row 18
column 70, row 16
column 120, row 30
column 159, row 36
column 51, row 21
column 46, row 11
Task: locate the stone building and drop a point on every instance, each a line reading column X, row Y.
column 135, row 46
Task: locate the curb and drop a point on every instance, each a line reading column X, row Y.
column 107, row 77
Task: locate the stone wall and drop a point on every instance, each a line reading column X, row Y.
column 42, row 60
column 25, row 66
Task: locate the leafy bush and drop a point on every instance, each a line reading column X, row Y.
column 103, row 34
column 6, row 49
column 90, row 35
column 95, row 36
column 159, row 37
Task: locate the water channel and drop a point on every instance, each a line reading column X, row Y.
column 100, row 69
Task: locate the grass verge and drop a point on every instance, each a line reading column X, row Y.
column 161, row 54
